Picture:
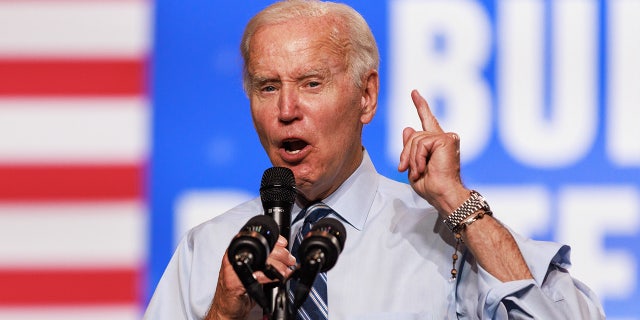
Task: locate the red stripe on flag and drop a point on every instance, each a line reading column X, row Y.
column 72, row 77
column 47, row 287
column 81, row 182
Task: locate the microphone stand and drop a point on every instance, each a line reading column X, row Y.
column 280, row 308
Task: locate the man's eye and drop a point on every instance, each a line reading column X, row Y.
column 314, row 84
column 268, row 88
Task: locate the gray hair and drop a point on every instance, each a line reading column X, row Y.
column 358, row 43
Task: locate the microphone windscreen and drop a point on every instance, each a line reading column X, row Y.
column 278, row 184
column 334, row 227
column 266, row 226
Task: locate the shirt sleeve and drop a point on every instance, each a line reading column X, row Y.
column 188, row 283
column 171, row 297
column 552, row 294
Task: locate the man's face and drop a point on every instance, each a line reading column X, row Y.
column 306, row 108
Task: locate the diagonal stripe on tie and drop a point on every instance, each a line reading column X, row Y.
column 315, row 306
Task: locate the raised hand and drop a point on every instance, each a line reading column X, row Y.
column 432, row 157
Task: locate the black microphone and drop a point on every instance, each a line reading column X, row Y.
column 248, row 253
column 319, row 251
column 277, row 193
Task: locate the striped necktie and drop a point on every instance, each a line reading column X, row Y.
column 315, row 307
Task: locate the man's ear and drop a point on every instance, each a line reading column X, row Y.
column 369, row 100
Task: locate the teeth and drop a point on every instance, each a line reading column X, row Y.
column 294, row 146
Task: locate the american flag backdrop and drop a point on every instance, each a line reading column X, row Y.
column 74, row 140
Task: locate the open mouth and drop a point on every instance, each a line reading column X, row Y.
column 294, row 146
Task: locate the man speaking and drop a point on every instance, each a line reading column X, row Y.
column 430, row 249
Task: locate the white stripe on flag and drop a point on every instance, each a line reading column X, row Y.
column 124, row 312
column 79, row 234
column 73, row 130
column 74, row 28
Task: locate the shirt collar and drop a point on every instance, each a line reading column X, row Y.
column 352, row 201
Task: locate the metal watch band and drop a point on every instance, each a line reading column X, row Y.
column 474, row 203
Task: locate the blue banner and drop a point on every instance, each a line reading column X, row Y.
column 544, row 94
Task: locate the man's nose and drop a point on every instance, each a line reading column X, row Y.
column 288, row 104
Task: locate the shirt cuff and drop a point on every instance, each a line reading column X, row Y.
column 538, row 255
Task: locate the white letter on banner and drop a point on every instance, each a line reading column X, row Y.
column 568, row 132
column 587, row 214
column 193, row 207
column 623, row 145
column 440, row 48
column 524, row 208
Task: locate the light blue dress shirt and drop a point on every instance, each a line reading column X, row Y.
column 396, row 264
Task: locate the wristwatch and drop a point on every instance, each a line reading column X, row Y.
column 473, row 204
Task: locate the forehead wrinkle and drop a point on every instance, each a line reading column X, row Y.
column 297, row 73
column 311, row 71
column 327, row 53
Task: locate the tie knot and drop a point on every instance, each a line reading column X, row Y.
column 311, row 215
column 316, row 212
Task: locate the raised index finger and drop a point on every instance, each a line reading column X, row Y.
column 428, row 120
